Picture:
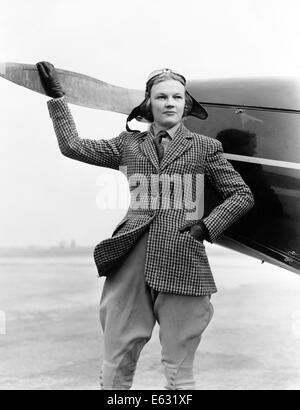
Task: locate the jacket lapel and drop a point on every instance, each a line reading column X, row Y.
column 149, row 149
column 181, row 142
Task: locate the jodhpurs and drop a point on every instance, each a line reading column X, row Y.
column 129, row 309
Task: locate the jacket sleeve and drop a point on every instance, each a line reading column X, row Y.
column 237, row 196
column 103, row 153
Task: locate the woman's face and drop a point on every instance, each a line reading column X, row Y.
column 167, row 103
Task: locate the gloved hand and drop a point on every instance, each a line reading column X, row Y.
column 197, row 230
column 49, row 79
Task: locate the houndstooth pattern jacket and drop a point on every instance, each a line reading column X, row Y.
column 175, row 261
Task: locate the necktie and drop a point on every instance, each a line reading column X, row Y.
column 159, row 144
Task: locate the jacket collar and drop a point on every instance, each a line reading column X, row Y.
column 171, row 131
column 181, row 142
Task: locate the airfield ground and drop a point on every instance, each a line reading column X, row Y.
column 53, row 339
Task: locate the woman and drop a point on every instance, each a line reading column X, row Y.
column 155, row 263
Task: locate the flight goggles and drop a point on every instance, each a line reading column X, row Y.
column 157, row 73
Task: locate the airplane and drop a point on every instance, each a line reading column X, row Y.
column 257, row 120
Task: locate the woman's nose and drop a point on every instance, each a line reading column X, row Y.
column 170, row 102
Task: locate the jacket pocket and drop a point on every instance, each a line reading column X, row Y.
column 190, row 237
column 195, row 240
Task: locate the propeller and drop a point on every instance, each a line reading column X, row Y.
column 80, row 89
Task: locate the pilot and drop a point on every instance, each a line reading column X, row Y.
column 155, row 263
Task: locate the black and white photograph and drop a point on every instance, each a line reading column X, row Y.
column 150, row 197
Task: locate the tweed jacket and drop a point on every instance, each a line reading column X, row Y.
column 175, row 261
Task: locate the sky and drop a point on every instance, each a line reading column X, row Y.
column 47, row 198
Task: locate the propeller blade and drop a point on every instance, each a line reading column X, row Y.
column 80, row 89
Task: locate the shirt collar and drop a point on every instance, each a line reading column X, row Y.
column 171, row 131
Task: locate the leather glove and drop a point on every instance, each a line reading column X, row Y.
column 49, row 80
column 198, row 230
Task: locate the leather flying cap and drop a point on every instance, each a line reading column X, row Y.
column 140, row 112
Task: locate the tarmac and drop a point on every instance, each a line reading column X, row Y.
column 50, row 337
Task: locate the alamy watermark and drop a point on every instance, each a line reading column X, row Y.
column 2, row 323
column 152, row 192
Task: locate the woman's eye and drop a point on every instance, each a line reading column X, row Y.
column 162, row 97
